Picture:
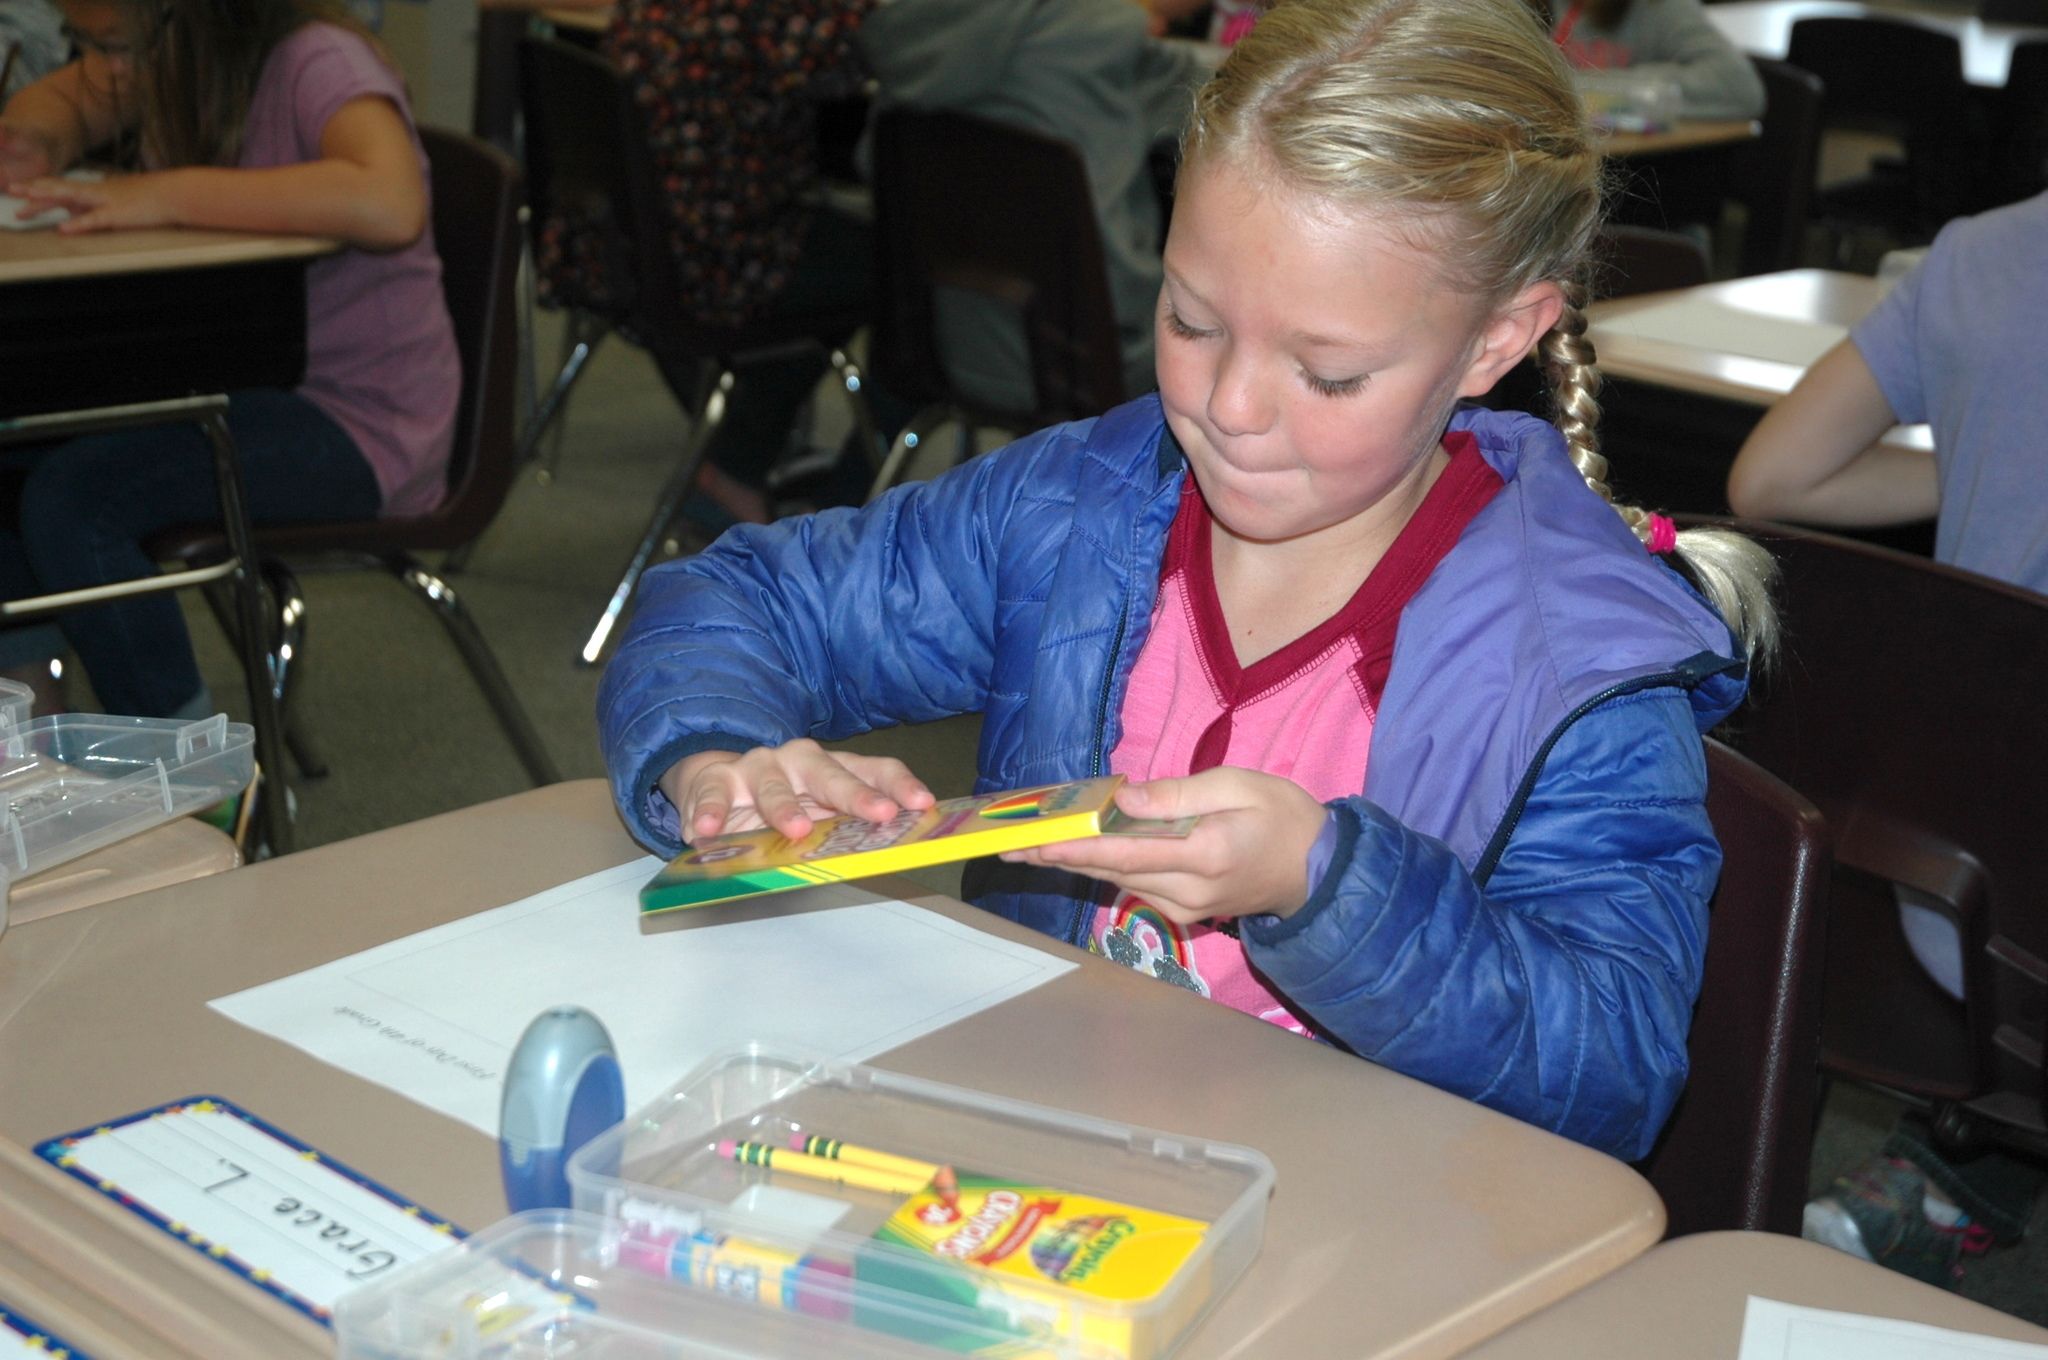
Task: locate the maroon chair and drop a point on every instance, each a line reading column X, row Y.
column 1736, row 1150
column 1905, row 706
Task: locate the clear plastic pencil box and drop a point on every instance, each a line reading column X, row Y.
column 676, row 1250
column 72, row 783
column 1026, row 1252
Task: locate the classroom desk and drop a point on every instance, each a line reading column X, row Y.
column 1405, row 1221
column 1744, row 340
column 1763, row 28
column 120, row 319
column 1687, row 134
column 1689, row 1294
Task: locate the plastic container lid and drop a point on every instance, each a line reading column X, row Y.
column 661, row 1175
column 75, row 782
column 553, row 1282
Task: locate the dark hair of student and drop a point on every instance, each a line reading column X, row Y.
column 203, row 59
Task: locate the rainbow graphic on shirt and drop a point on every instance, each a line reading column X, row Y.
column 750, row 863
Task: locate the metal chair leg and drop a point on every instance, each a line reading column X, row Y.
column 287, row 651
column 263, row 707
column 854, row 383
column 579, row 341
column 439, row 596
column 921, row 427
column 666, row 506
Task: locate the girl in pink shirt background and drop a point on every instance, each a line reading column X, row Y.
column 257, row 115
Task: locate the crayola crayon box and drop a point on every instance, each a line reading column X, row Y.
column 1037, row 1261
column 751, row 863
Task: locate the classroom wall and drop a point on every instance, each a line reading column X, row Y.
column 434, row 44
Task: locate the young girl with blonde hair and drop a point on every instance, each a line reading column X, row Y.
column 276, row 116
column 1434, row 700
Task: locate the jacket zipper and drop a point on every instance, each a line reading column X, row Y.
column 1077, row 924
column 1497, row 846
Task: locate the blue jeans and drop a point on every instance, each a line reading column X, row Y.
column 89, row 504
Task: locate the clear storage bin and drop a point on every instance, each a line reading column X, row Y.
column 663, row 1178
column 552, row 1284
column 72, row 783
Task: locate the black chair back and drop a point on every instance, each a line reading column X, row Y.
column 1735, row 1153
column 1900, row 79
column 1774, row 175
column 1631, row 260
column 965, row 203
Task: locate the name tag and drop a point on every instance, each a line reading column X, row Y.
column 21, row 1338
column 282, row 1215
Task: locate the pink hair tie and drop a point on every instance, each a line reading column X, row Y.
column 1663, row 535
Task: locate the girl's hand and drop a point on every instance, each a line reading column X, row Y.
column 25, row 153
column 102, row 205
column 787, row 787
column 1248, row 854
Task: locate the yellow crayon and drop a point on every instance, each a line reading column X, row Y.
column 818, row 1145
column 821, row 1168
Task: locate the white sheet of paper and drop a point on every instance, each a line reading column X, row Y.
column 1717, row 326
column 435, row 1016
column 255, row 1202
column 12, row 220
column 1782, row 1331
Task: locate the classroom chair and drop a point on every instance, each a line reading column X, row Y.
column 1630, row 260
column 2019, row 140
column 1904, row 705
column 1736, row 1150
column 965, row 203
column 1773, row 175
column 1902, row 80
column 588, row 161
column 476, row 227
column 2013, row 11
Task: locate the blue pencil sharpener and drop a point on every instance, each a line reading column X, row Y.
column 562, row 1088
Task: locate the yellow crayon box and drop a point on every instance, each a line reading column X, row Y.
column 751, row 863
column 1044, row 1264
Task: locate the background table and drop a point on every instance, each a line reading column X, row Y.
column 1689, row 1294
column 1405, row 1221
column 112, row 320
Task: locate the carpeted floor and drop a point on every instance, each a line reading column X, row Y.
column 407, row 734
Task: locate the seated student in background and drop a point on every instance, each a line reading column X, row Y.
column 262, row 115
column 1436, row 700
column 1955, row 344
column 1085, row 71
column 1673, row 37
column 728, row 90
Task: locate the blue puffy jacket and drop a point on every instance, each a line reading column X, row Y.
column 1517, row 908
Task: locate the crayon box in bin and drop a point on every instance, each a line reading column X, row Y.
column 945, row 1217
column 74, row 782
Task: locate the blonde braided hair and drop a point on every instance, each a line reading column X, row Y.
column 1459, row 116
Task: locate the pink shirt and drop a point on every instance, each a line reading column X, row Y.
column 1305, row 712
column 380, row 351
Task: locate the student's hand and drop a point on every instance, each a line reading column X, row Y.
column 25, row 154
column 787, row 787
column 1248, row 854
column 102, row 205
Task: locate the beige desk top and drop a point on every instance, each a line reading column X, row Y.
column 26, row 256
column 1764, row 28
column 1690, row 1294
column 1405, row 1221
column 1747, row 340
column 1686, row 135
column 582, row 20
